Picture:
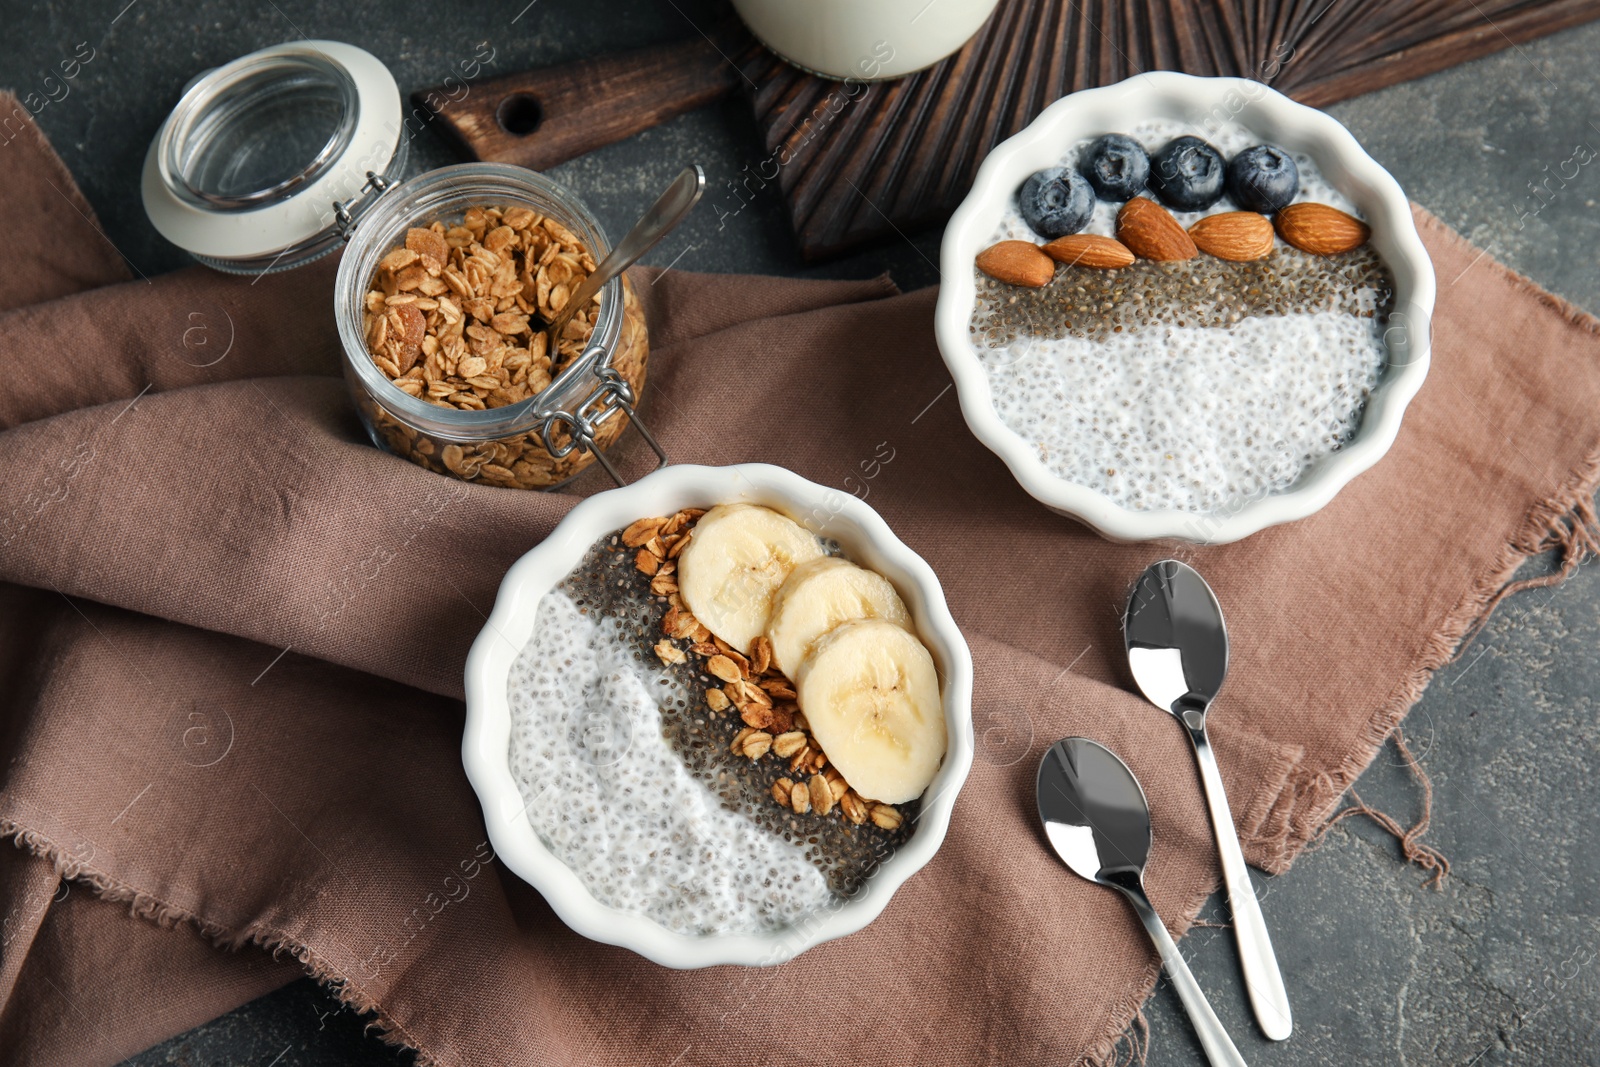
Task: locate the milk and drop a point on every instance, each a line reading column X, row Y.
column 864, row 40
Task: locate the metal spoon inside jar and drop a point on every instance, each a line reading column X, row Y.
column 668, row 210
column 1097, row 820
column 1178, row 653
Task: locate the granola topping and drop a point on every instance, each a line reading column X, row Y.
column 754, row 686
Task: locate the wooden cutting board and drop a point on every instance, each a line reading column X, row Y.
column 858, row 162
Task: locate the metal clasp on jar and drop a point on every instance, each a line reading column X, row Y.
column 614, row 395
column 343, row 219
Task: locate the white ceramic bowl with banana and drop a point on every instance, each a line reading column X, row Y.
column 882, row 677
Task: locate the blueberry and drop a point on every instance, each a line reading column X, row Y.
column 1187, row 174
column 1056, row 202
column 1263, row 179
column 1116, row 166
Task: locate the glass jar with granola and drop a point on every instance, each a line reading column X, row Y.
column 448, row 279
column 442, row 301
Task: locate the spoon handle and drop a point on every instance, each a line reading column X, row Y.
column 668, row 210
column 1207, row 1027
column 1269, row 1000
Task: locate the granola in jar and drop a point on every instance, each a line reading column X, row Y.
column 456, row 316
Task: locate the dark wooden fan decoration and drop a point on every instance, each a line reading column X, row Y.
column 857, row 162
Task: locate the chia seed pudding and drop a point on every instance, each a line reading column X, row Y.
column 1195, row 385
column 628, row 778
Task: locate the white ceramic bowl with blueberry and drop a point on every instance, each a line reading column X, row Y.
column 489, row 747
column 1196, row 423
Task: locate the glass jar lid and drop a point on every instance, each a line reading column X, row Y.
column 266, row 161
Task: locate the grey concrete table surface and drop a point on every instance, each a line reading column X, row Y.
column 1499, row 966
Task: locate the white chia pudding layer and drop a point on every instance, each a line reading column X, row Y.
column 608, row 795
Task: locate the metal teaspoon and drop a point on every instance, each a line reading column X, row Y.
column 668, row 210
column 1096, row 817
column 1178, row 652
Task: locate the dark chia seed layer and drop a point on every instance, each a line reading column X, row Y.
column 1199, row 292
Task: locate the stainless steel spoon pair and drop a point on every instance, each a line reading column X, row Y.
column 1095, row 814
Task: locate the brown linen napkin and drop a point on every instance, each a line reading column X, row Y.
column 232, row 643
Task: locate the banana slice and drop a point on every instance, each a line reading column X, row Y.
column 871, row 693
column 738, row 557
column 820, row 595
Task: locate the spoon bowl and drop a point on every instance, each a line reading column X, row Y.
column 1094, row 812
column 1177, row 640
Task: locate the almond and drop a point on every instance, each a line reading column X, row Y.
column 1320, row 229
column 1151, row 232
column 1017, row 263
column 1237, row 235
column 1091, row 250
